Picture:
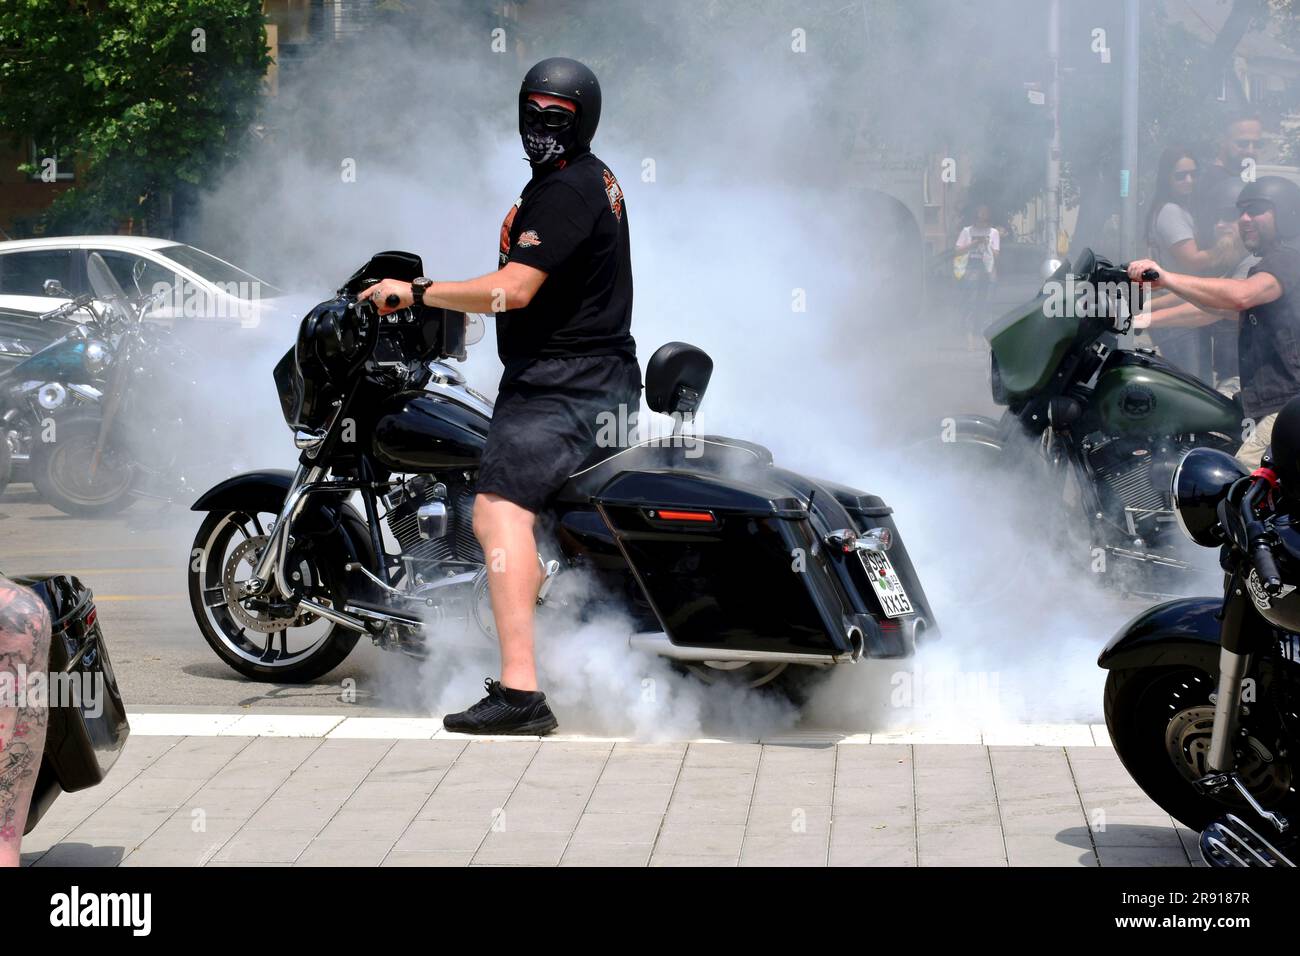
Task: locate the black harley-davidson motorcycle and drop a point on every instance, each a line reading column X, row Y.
column 88, row 726
column 1203, row 694
column 98, row 416
column 1096, row 426
column 731, row 566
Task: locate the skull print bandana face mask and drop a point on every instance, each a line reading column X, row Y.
column 544, row 148
column 548, row 133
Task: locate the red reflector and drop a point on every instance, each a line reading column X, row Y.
column 92, row 617
column 683, row 516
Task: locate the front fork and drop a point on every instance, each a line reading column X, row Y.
column 270, row 574
column 1235, row 647
column 270, row 569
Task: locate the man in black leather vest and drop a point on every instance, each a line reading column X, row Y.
column 1266, row 303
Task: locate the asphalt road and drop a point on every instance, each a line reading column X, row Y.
column 135, row 563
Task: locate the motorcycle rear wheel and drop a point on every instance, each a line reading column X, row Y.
column 226, row 545
column 795, row 682
column 60, row 470
column 1159, row 720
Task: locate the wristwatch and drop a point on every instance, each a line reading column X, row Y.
column 417, row 288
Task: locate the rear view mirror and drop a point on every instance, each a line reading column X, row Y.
column 55, row 288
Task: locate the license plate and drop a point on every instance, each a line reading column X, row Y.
column 889, row 589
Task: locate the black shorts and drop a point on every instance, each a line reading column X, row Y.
column 551, row 418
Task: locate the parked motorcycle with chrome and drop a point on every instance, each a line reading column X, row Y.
column 100, row 415
column 732, row 567
column 50, row 363
column 1099, row 426
column 1203, row 695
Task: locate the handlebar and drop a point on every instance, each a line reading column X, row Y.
column 1260, row 539
column 80, row 302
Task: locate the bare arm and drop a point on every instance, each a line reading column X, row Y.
column 1183, row 315
column 510, row 287
column 1235, row 295
column 24, row 649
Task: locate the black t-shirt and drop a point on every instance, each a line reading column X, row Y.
column 572, row 224
column 1269, row 343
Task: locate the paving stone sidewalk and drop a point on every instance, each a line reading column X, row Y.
column 317, row 801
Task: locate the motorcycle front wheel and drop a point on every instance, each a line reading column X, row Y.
column 68, row 475
column 262, row 644
column 1160, row 720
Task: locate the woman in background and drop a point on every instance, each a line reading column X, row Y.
column 1171, row 236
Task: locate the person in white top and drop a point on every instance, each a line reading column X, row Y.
column 978, row 246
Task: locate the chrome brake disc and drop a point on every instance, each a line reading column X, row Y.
column 249, row 551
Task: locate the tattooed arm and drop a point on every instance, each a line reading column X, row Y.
column 24, row 650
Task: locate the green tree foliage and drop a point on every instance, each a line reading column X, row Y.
column 151, row 97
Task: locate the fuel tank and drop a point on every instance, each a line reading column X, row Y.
column 415, row 431
column 1141, row 394
column 61, row 361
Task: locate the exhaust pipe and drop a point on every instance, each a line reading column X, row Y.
column 657, row 642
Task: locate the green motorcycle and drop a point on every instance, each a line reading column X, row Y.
column 1101, row 427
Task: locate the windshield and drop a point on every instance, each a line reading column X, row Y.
column 106, row 287
column 229, row 277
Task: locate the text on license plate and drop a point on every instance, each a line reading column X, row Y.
column 884, row 580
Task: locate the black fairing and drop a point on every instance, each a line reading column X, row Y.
column 416, row 431
column 82, row 742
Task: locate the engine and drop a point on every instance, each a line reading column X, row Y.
column 1134, row 478
column 444, row 530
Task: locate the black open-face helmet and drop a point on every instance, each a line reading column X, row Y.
column 560, row 76
column 1284, row 196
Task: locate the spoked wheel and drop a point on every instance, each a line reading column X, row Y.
column 77, row 479
column 259, row 639
column 1160, row 720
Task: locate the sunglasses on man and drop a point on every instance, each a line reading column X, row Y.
column 1255, row 207
column 550, row 118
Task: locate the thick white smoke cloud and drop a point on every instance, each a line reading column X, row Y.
column 741, row 198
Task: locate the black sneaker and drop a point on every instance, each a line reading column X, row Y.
column 505, row 711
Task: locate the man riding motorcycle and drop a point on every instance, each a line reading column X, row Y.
column 1266, row 303
column 563, row 299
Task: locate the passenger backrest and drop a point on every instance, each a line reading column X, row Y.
column 676, row 377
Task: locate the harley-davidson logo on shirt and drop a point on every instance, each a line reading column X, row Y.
column 504, row 247
column 614, row 192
